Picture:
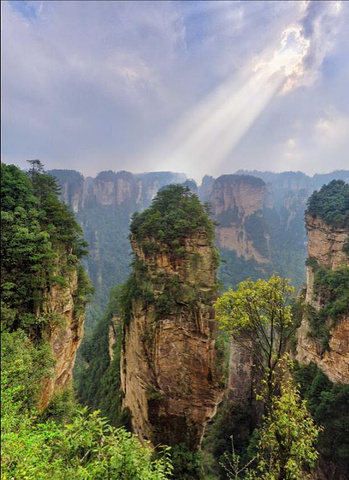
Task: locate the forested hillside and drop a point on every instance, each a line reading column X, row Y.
column 239, row 415
column 275, row 231
column 44, row 432
column 154, row 362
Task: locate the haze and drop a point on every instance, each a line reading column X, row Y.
column 193, row 87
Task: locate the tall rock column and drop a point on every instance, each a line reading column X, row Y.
column 170, row 379
column 323, row 337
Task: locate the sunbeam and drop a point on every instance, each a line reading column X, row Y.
column 206, row 135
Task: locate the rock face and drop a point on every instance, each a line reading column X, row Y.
column 325, row 245
column 168, row 371
column 113, row 327
column 112, row 188
column 240, row 374
column 64, row 338
column 237, row 202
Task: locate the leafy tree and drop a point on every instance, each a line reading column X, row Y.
column 175, row 213
column 331, row 203
column 86, row 447
column 258, row 316
column 41, row 242
column 287, row 436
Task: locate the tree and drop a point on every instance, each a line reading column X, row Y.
column 287, row 436
column 258, row 316
column 331, row 203
column 40, row 241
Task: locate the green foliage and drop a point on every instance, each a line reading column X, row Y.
column 287, row 437
column 87, row 448
column 24, row 364
column 35, row 445
column 98, row 382
column 186, row 464
column 130, row 290
column 256, row 230
column 174, row 214
column 312, row 263
column 258, row 315
column 332, row 288
column 106, row 229
column 298, row 308
column 329, row 404
column 331, row 203
column 234, row 269
column 222, row 357
column 287, row 236
column 84, row 291
column 41, row 243
column 55, row 216
column 231, row 420
column 60, row 409
column 227, row 217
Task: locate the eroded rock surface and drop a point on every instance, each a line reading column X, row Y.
column 168, row 371
column 237, row 201
column 64, row 337
column 325, row 245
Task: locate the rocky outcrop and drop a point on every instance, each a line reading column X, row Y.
column 112, row 188
column 333, row 362
column 325, row 247
column 237, row 202
column 168, row 372
column 326, row 243
column 64, row 335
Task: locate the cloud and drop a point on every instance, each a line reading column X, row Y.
column 319, row 28
column 99, row 85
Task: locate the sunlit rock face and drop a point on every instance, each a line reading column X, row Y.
column 325, row 245
column 65, row 337
column 169, row 374
column 237, row 202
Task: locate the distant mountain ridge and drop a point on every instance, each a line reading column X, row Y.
column 260, row 215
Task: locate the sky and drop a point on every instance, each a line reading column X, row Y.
column 187, row 86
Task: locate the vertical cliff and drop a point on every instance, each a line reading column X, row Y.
column 237, row 202
column 111, row 188
column 323, row 337
column 169, row 374
column 73, row 188
column 66, row 304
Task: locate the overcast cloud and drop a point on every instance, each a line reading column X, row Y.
column 197, row 87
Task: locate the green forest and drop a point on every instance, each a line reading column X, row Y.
column 41, row 244
column 295, row 418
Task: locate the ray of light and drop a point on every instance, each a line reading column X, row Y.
column 205, row 136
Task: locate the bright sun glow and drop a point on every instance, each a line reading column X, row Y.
column 203, row 139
